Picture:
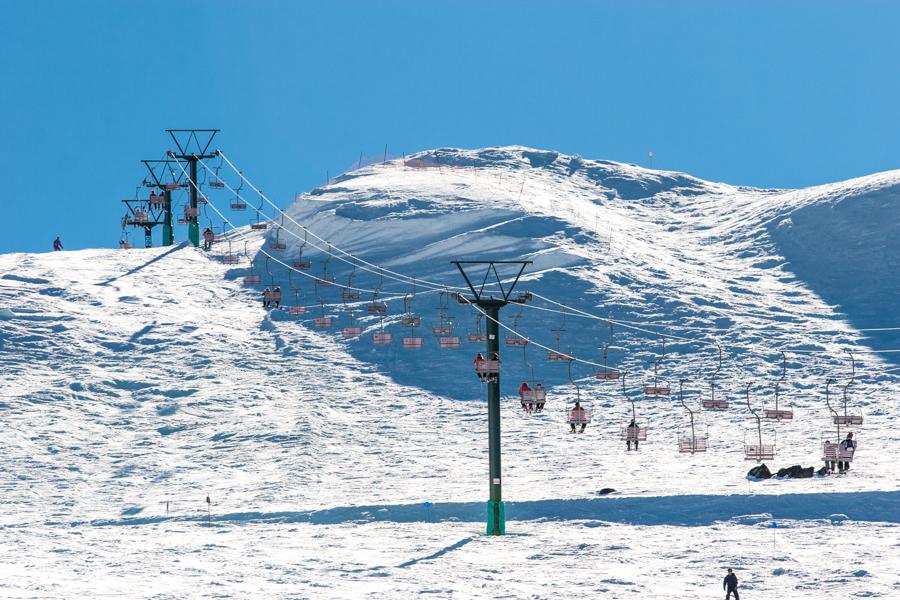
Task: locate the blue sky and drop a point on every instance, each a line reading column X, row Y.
column 771, row 94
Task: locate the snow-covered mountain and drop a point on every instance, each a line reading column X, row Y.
column 137, row 383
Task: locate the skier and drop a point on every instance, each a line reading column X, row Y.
column 577, row 414
column 208, row 237
column 267, row 298
column 730, row 585
column 479, row 366
column 276, row 297
column 632, row 432
column 57, row 245
column 538, row 401
column 847, row 445
column 495, row 356
column 526, row 404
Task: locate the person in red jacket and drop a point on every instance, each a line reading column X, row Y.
column 479, row 366
column 528, row 403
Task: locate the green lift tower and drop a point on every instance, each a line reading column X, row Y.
column 193, row 145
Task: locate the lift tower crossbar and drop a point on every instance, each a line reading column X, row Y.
column 491, row 305
column 192, row 149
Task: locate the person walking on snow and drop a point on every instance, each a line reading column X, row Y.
column 57, row 245
column 730, row 585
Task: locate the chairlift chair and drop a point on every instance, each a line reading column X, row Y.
column 381, row 337
column 517, row 339
column 533, row 399
column 172, row 186
column 448, row 342
column 322, row 322
column 846, row 418
column 757, row 450
column 218, row 183
column 713, row 403
column 229, row 258
column 558, row 355
column 478, row 336
column 277, row 244
column 607, row 374
column 777, row 413
column 693, row 443
column 632, row 434
column 577, row 414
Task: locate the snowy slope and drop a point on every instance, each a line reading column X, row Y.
column 135, row 379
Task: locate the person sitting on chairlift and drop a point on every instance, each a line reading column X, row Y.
column 577, row 414
column 527, row 405
column 208, row 237
column 846, row 444
column 495, row 356
column 632, row 429
column 276, row 297
column 538, row 399
column 479, row 367
column 267, row 298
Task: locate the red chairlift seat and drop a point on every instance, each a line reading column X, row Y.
column 251, row 279
column 322, row 322
column 348, row 295
column 848, row 420
column 442, row 330
column 172, row 186
column 326, row 280
column 533, row 396
column 489, row 367
column 477, row 337
column 688, row 444
column 182, row 221
column 202, row 200
column 217, row 184
column 381, row 338
column 758, row 452
column 633, row 433
column 779, row 414
column 448, row 342
column 411, row 321
column 157, row 200
column 126, row 246
column 140, row 216
column 301, row 264
column 191, row 211
column 835, row 452
column 606, row 375
column 238, row 206
column 516, row 341
column 377, row 308
column 709, row 404
column 578, row 416
column 231, row 259
column 558, row 356
column 296, row 310
column 259, row 226
column 351, row 332
column 654, row 391
column 278, row 245
column 413, row 343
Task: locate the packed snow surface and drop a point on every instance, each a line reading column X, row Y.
column 135, row 384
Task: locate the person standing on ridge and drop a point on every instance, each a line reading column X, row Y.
column 730, row 585
column 57, row 245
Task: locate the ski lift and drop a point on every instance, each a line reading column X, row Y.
column 518, row 339
column 191, row 212
column 486, row 369
column 448, row 342
column 712, row 403
column 409, row 319
column 348, row 293
column 322, row 322
column 140, row 216
column 757, row 451
column 445, row 329
column 325, row 279
column 577, row 415
column 218, row 183
column 295, row 309
column 277, row 244
column 607, row 374
column 777, row 413
column 656, row 390
column 381, row 338
column 558, row 354
column 156, row 200
column 478, row 336
column 352, row 330
column 229, row 258
column 252, row 278
column 299, row 263
column 691, row 443
column 238, row 203
column 846, row 418
column 377, row 307
column 633, row 433
column 532, row 399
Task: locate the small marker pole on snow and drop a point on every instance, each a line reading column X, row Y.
column 208, row 512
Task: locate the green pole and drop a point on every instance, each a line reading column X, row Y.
column 496, row 521
column 167, row 235
column 193, row 224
